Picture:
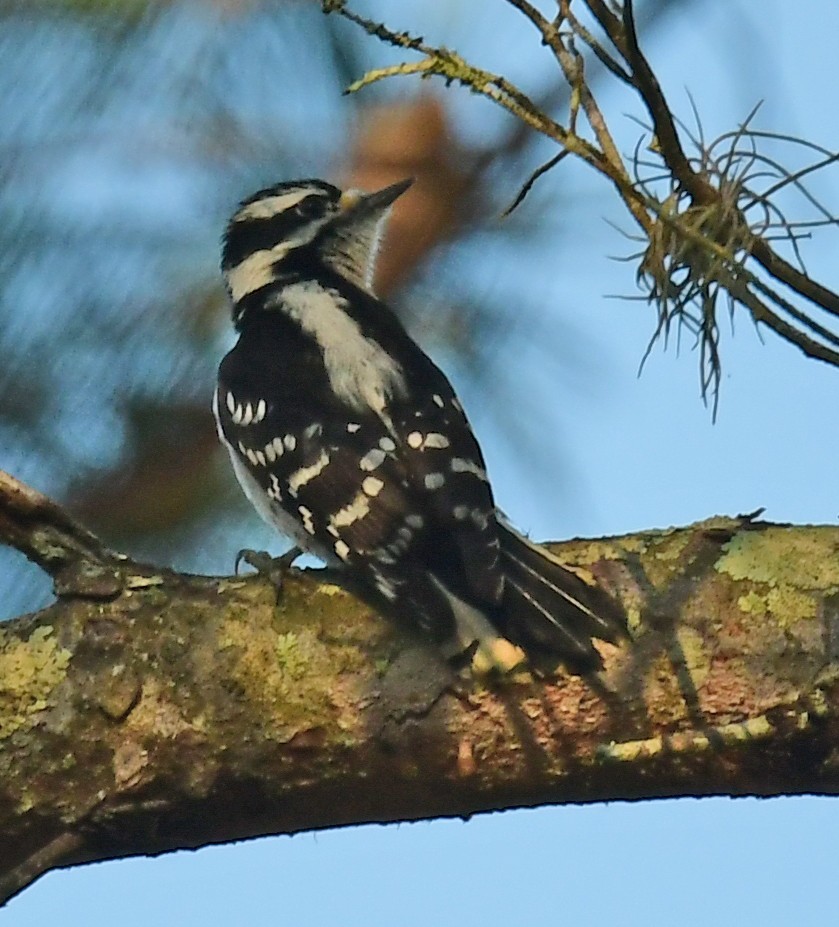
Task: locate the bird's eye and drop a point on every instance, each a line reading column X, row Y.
column 312, row 207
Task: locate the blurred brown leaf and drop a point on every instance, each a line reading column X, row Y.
column 411, row 138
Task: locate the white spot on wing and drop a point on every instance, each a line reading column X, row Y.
column 308, row 522
column 237, row 415
column 285, row 522
column 434, row 480
column 260, row 412
column 480, row 519
column 385, row 587
column 270, row 452
column 414, row 439
column 438, row 400
column 231, row 403
column 463, row 465
column 372, row 486
column 304, row 475
column 372, row 459
column 277, row 444
column 353, row 427
column 435, row 439
column 290, row 442
column 342, row 549
column 387, row 444
column 349, row 514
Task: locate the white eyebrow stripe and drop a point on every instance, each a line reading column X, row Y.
column 270, row 206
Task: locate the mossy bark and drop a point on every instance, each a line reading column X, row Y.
column 156, row 711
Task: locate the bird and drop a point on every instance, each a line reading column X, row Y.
column 348, row 439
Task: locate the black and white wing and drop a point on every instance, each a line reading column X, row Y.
column 377, row 499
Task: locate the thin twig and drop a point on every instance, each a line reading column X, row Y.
column 699, row 236
column 548, row 165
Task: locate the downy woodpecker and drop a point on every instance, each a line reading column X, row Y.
column 347, row 438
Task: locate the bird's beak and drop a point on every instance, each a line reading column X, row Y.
column 354, row 204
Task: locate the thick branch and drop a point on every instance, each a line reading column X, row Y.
column 187, row 710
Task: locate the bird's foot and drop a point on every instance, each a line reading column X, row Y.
column 274, row 569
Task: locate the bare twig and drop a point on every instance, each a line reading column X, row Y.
column 548, row 165
column 699, row 237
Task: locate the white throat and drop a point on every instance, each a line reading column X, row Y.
column 353, row 254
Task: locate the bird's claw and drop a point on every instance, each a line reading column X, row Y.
column 274, row 569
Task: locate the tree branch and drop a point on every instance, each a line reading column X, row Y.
column 713, row 188
column 184, row 710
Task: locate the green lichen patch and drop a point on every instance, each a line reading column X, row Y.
column 664, row 556
column 288, row 667
column 291, row 656
column 753, row 603
column 792, row 568
column 805, row 558
column 29, row 672
column 275, row 671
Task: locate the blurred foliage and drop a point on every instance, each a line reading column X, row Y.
column 129, row 130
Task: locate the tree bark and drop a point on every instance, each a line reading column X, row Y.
column 146, row 711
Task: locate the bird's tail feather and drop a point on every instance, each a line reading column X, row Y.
column 550, row 611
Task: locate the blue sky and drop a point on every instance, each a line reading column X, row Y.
column 636, row 453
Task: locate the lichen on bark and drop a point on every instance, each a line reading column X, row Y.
column 157, row 710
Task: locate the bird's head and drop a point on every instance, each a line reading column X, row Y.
column 292, row 230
